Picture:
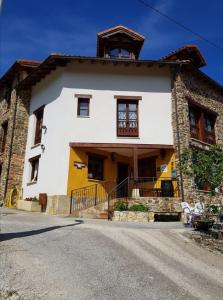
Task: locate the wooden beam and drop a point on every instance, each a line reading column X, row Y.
column 135, row 163
column 120, row 145
column 128, row 97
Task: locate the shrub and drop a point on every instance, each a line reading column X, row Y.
column 214, row 209
column 138, row 207
column 121, row 206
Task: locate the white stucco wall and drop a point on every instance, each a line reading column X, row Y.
column 63, row 126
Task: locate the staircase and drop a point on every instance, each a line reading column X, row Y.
column 91, row 201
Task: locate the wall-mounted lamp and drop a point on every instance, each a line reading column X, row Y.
column 42, row 147
column 113, row 156
column 44, row 128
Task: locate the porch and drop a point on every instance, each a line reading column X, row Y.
column 100, row 173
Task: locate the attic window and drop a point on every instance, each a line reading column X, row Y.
column 119, row 53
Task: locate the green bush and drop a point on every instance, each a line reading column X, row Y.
column 138, row 207
column 121, row 206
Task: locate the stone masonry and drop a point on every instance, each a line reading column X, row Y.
column 14, row 111
column 190, row 83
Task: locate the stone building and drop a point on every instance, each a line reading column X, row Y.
column 110, row 124
column 14, row 113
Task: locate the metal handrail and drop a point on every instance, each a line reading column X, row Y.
column 91, row 195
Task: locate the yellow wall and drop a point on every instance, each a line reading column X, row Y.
column 78, row 178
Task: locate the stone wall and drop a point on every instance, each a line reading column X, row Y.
column 12, row 160
column 132, row 216
column 158, row 204
column 191, row 84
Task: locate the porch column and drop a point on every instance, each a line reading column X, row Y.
column 135, row 163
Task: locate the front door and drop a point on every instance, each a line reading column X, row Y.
column 123, row 173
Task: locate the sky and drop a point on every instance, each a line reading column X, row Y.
column 33, row 29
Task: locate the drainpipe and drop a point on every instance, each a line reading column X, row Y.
column 176, row 73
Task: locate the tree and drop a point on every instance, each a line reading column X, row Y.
column 206, row 166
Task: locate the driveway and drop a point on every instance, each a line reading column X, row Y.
column 45, row 257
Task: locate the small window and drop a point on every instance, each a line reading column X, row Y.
column 127, row 118
column 34, row 162
column 39, row 123
column 119, row 53
column 83, row 107
column 4, row 131
column 95, row 167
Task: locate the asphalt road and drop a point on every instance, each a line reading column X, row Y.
column 45, row 257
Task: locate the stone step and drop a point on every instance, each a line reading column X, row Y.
column 103, row 215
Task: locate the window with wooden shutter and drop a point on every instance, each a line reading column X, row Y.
column 202, row 124
column 39, row 122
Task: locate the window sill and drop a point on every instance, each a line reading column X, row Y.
column 201, row 142
column 36, row 146
column 83, row 117
column 31, row 183
column 128, row 137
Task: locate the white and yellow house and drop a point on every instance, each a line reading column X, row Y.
column 99, row 120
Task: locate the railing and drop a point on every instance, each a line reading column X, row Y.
column 143, row 187
column 91, row 195
column 146, row 187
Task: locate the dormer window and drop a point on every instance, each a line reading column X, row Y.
column 119, row 42
column 119, row 53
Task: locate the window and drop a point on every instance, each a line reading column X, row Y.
column 83, row 107
column 95, row 167
column 147, row 167
column 127, row 118
column 39, row 122
column 34, row 162
column 4, row 131
column 119, row 53
column 202, row 124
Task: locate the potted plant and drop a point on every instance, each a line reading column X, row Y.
column 203, row 223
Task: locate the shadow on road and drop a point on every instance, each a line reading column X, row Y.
column 15, row 235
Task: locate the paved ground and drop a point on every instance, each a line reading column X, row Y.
column 45, row 257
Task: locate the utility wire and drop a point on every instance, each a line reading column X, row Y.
column 180, row 25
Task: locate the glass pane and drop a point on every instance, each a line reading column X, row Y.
column 114, row 52
column 124, row 53
column 122, row 115
column 192, row 118
column 132, row 107
column 208, row 125
column 83, row 105
column 122, row 107
column 133, row 124
column 84, row 112
column 122, row 124
column 132, row 115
